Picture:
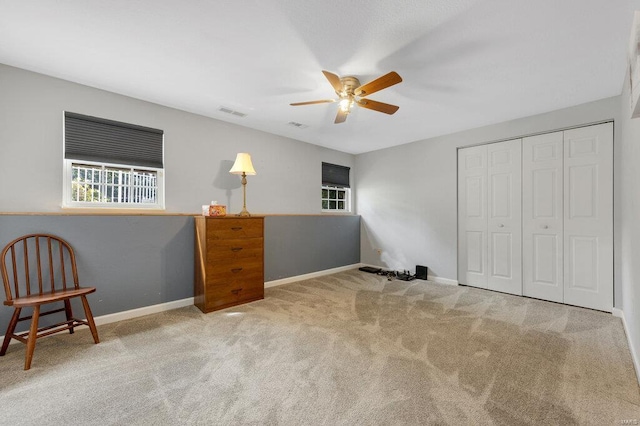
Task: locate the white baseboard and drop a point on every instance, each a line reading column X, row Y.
column 145, row 310
column 441, row 280
column 303, row 277
column 134, row 313
column 434, row 278
column 634, row 355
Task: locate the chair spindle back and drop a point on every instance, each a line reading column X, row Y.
column 36, row 264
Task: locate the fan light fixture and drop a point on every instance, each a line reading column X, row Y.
column 350, row 92
column 244, row 167
column 346, row 104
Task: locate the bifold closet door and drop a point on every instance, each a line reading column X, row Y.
column 472, row 216
column 489, row 217
column 504, row 205
column 588, row 217
column 542, row 216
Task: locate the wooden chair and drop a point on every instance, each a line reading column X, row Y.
column 37, row 270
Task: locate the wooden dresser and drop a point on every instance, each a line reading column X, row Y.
column 229, row 261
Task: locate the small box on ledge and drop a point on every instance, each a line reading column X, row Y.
column 214, row 209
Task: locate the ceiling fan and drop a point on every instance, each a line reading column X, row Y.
column 351, row 93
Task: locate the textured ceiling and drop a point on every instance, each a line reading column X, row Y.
column 465, row 63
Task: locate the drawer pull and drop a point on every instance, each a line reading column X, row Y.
column 236, row 249
column 236, row 270
column 236, row 228
column 236, row 291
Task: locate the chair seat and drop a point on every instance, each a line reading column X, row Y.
column 48, row 297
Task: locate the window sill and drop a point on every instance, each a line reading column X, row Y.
column 333, row 212
column 65, row 211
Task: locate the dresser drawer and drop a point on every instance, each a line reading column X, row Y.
column 234, row 229
column 235, row 269
column 228, row 250
column 223, row 293
column 229, row 294
column 248, row 283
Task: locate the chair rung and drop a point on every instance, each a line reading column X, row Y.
column 42, row 314
column 19, row 338
column 72, row 323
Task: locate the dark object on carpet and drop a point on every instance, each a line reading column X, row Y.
column 370, row 269
column 421, row 272
column 405, row 276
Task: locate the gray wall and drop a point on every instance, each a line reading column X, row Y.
column 407, row 194
column 137, row 261
column 133, row 261
column 198, row 151
column 628, row 221
column 297, row 245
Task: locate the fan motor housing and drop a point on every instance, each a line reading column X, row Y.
column 349, row 84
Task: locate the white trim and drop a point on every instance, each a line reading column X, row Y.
column 433, row 278
column 347, row 199
column 440, row 280
column 145, row 310
column 289, row 280
column 634, row 355
column 68, row 183
column 135, row 313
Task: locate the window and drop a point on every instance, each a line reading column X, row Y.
column 112, row 164
column 336, row 191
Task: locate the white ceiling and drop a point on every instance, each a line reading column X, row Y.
column 465, row 63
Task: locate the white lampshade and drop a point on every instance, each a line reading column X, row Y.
column 243, row 165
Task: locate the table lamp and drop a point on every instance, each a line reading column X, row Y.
column 243, row 167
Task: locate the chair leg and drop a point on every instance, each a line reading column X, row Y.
column 69, row 313
column 33, row 336
column 92, row 324
column 10, row 330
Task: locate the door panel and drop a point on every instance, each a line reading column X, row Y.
column 545, row 193
column 504, row 217
column 475, row 252
column 542, row 219
column 472, row 216
column 545, row 254
column 583, row 189
column 502, row 248
column 588, row 239
column 474, row 186
column 583, row 257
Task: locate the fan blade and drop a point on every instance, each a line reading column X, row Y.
column 323, row 101
column 378, row 106
column 380, row 83
column 341, row 117
column 334, row 80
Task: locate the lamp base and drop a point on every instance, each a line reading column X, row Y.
column 244, row 212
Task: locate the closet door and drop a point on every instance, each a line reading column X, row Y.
column 588, row 217
column 542, row 230
column 504, row 217
column 472, row 216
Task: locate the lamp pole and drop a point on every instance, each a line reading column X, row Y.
column 244, row 211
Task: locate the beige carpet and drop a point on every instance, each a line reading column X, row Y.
column 350, row 348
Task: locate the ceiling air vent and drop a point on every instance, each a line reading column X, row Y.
column 232, row 112
column 298, row 125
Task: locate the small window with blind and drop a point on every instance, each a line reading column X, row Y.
column 112, row 164
column 336, row 191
